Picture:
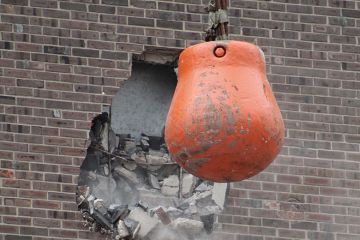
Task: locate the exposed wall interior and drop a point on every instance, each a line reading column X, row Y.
column 142, row 102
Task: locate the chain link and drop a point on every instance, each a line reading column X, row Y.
column 218, row 20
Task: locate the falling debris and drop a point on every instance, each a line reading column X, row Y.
column 129, row 188
column 147, row 223
column 170, row 186
column 188, row 184
column 189, row 226
column 219, row 194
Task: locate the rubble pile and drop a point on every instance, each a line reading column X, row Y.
column 129, row 188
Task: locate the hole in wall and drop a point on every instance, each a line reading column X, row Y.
column 129, row 188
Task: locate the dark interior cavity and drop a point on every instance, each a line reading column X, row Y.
column 142, row 102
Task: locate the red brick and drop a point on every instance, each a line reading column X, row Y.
column 61, row 215
column 46, row 204
column 72, row 151
column 58, row 178
column 17, row 220
column 102, row 9
column 58, row 141
column 31, row 120
column 43, row 149
column 46, row 222
column 32, row 194
column 318, row 217
column 88, row 107
column 61, row 196
column 69, row 206
column 9, row 229
column 291, row 233
column 38, row 167
column 63, row 233
column 46, row 186
column 18, row 202
column 73, row 225
column 74, row 115
column 289, row 179
column 13, row 146
column 70, row 170
column 7, row 210
column 15, row 183
column 87, row 71
column 9, row 192
column 29, row 175
column 73, row 6
column 61, row 68
column 55, row 159
column 15, row 166
column 59, row 86
column 60, row 123
column 32, row 212
column 85, row 52
column 34, row 231
column 28, row 47
column 6, row 155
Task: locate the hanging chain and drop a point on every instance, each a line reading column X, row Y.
column 218, row 20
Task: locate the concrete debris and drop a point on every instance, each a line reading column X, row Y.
column 99, row 205
column 170, row 186
column 169, row 191
column 153, row 181
column 167, row 170
column 187, row 185
column 171, row 181
column 130, row 147
column 127, row 174
column 156, row 160
column 133, row 226
column 212, row 209
column 146, row 222
column 145, row 144
column 142, row 205
column 204, row 186
column 103, row 187
column 202, row 198
column 139, row 158
column 105, row 136
column 130, row 165
column 208, row 221
column 162, row 215
column 122, row 230
column 174, row 213
column 188, row 226
column 219, row 194
column 129, row 188
column 192, row 209
column 156, row 153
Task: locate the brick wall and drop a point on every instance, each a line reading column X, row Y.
column 61, row 61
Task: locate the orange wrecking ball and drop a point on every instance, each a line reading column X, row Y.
column 224, row 124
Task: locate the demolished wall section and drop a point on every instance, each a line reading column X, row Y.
column 62, row 62
column 120, row 178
